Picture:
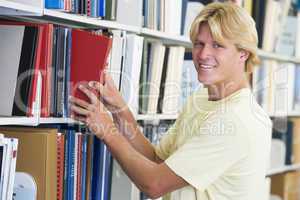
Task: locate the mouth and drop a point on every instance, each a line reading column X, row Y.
column 205, row 66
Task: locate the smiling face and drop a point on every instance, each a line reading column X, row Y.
column 217, row 63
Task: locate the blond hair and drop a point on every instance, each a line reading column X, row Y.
column 227, row 20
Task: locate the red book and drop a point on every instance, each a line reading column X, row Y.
column 60, row 165
column 37, row 64
column 46, row 67
column 88, row 59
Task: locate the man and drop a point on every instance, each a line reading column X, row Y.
column 219, row 147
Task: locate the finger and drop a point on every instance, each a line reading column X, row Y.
column 89, row 94
column 79, row 110
column 79, row 118
column 108, row 77
column 102, row 76
column 79, row 102
column 102, row 107
column 109, row 81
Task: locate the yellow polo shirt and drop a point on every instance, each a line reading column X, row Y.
column 221, row 148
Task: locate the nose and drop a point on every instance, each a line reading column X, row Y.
column 204, row 52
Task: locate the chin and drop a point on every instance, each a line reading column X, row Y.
column 205, row 80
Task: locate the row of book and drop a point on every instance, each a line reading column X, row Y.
column 152, row 77
column 8, row 158
column 162, row 15
column 66, row 163
column 276, row 86
column 42, row 64
column 91, row 8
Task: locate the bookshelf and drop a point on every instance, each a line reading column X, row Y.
column 37, row 13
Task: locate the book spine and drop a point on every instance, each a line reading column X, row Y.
column 60, row 165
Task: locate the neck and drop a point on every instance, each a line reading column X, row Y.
column 221, row 90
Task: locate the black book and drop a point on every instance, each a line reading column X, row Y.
column 25, row 72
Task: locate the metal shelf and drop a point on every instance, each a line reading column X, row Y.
column 15, row 8
column 167, row 38
column 23, row 121
column 85, row 21
column 292, row 114
column 278, row 57
column 283, row 169
column 57, row 120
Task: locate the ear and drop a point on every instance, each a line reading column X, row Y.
column 244, row 55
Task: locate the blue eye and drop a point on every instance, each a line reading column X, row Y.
column 216, row 45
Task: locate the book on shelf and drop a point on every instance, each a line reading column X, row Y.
column 283, row 130
column 274, row 86
column 8, row 158
column 285, row 142
column 258, row 14
column 129, row 12
column 131, row 71
column 88, row 59
column 160, row 81
column 285, row 44
column 172, row 82
column 286, row 186
column 189, row 82
column 154, row 75
column 11, row 40
column 116, row 57
column 40, row 161
column 192, row 10
column 59, row 54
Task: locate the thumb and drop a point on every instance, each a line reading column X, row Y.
column 97, row 86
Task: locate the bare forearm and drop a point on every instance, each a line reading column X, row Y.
column 152, row 178
column 128, row 126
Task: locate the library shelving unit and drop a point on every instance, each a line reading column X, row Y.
column 13, row 9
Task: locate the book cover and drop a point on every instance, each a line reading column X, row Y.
column 88, row 59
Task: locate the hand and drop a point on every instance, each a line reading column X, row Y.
column 94, row 114
column 109, row 94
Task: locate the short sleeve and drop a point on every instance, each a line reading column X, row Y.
column 166, row 144
column 219, row 144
